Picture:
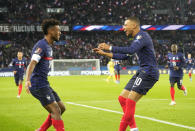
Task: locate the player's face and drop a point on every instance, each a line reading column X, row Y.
column 55, row 32
column 189, row 56
column 129, row 26
column 20, row 55
column 174, row 48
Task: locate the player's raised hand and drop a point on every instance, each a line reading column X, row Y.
column 14, row 72
column 99, row 51
column 27, row 86
column 176, row 68
column 104, row 46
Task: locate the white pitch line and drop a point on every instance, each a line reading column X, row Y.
column 143, row 117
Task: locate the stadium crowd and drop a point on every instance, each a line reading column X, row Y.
column 79, row 46
column 88, row 12
column 85, row 12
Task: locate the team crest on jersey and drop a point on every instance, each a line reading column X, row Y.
column 38, row 51
column 138, row 37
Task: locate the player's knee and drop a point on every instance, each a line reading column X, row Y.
column 179, row 87
column 63, row 109
column 56, row 110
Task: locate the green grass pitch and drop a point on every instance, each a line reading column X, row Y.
column 26, row 113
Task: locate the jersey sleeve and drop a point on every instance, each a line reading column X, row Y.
column 136, row 45
column 13, row 64
column 183, row 63
column 119, row 56
column 168, row 61
column 38, row 52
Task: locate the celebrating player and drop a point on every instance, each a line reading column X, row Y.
column 19, row 65
column 110, row 67
column 117, row 68
column 175, row 64
column 145, row 77
column 36, row 76
column 190, row 64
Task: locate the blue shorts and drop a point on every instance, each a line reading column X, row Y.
column 141, row 83
column 177, row 80
column 45, row 95
column 189, row 67
column 18, row 77
column 117, row 68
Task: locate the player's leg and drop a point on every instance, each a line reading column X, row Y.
column 190, row 74
column 122, row 99
column 118, row 75
column 109, row 76
column 125, row 93
column 113, row 76
column 172, row 90
column 55, row 119
column 47, row 98
column 16, row 78
column 142, row 84
column 128, row 117
column 20, row 84
column 59, row 102
column 181, row 86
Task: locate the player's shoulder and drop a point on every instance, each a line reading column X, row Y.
column 24, row 59
column 144, row 37
column 39, row 46
column 41, row 42
column 145, row 34
column 14, row 59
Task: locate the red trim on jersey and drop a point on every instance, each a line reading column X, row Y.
column 175, row 61
column 20, row 64
column 48, row 58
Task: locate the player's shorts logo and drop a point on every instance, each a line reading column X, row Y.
column 48, row 97
column 38, row 51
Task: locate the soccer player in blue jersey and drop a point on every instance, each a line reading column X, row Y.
column 145, row 77
column 36, row 76
column 190, row 64
column 117, row 68
column 19, row 65
column 176, row 63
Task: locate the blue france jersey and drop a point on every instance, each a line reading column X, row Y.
column 43, row 51
column 190, row 63
column 142, row 45
column 176, row 60
column 19, row 65
column 116, row 64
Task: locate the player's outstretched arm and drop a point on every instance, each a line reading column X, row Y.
column 135, row 46
column 101, row 52
column 29, row 71
column 111, row 55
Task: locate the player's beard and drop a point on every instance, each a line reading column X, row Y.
column 129, row 33
column 55, row 38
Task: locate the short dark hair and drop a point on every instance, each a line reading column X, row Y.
column 135, row 19
column 47, row 23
